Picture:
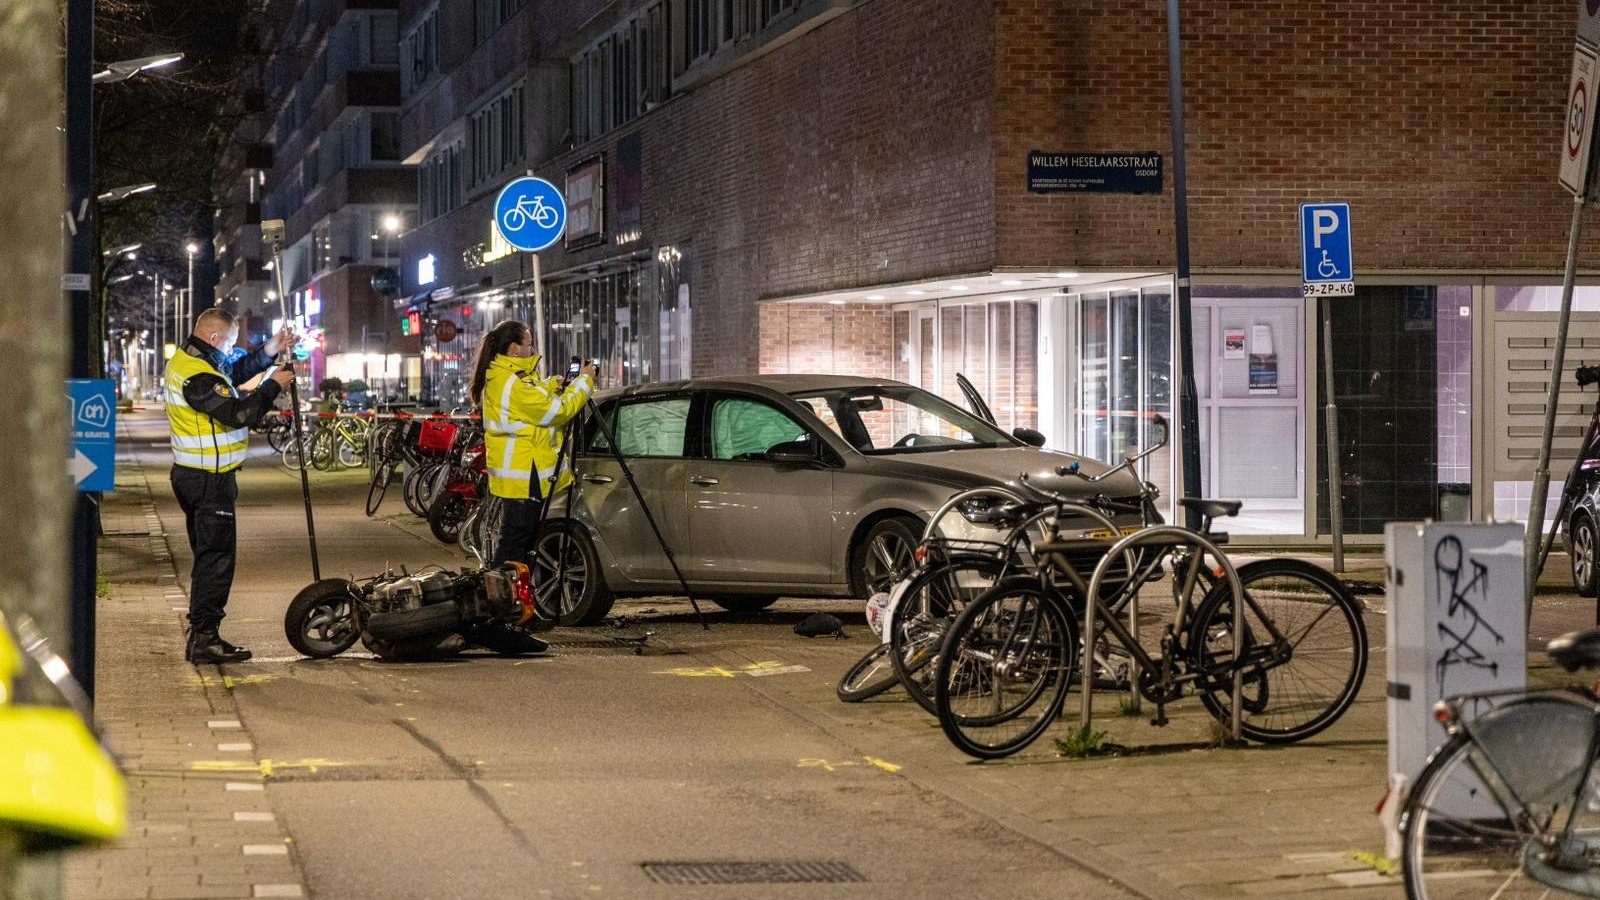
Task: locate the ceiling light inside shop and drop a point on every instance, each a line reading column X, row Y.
column 915, row 293
column 959, row 287
column 875, row 297
column 1010, row 282
column 1066, row 274
column 836, row 302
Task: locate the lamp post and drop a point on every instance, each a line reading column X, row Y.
column 122, row 71
column 191, row 248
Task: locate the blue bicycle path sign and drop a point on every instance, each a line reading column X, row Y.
column 530, row 214
column 1325, row 260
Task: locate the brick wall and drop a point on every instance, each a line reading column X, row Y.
column 857, row 154
column 1440, row 123
column 831, row 340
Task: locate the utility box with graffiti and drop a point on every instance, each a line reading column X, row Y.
column 1456, row 625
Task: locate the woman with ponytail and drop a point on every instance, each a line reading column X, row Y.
column 523, row 418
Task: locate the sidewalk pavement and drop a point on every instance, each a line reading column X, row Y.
column 201, row 823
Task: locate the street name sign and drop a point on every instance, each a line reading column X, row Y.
column 530, row 214
column 1578, row 138
column 92, row 403
column 1326, row 267
column 1094, row 173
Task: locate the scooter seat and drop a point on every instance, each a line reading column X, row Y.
column 1576, row 650
column 1211, row 509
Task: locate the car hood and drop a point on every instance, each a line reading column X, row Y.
column 971, row 468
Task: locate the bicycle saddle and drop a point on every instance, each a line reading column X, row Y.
column 1211, row 509
column 1576, row 650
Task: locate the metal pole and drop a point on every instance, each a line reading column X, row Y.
column 299, row 425
column 538, row 309
column 1188, row 396
column 84, row 339
column 32, row 261
column 1331, row 452
column 1541, row 478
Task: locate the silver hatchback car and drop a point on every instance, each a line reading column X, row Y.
column 777, row 485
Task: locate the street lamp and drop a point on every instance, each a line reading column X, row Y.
column 192, row 248
column 126, row 191
column 129, row 249
column 122, row 71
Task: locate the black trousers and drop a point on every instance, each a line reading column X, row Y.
column 208, row 501
column 518, row 520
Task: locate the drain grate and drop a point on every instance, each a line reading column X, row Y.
column 767, row 872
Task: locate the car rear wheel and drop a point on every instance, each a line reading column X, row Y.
column 1581, row 540
column 884, row 555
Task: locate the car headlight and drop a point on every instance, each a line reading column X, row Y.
column 995, row 512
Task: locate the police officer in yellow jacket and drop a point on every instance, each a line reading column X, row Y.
column 523, row 416
column 210, row 424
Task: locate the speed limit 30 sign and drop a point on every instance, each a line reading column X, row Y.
column 1576, row 149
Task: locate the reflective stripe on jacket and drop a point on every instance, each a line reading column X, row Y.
column 523, row 416
column 198, row 440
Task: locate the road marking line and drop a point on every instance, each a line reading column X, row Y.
column 237, row 747
column 889, row 767
column 265, row 767
column 228, row 681
column 832, row 765
column 266, row 850
column 278, row 890
column 776, row 670
column 244, row 786
column 253, row 817
column 222, row 723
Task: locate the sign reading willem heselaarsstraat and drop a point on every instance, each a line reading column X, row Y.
column 1100, row 173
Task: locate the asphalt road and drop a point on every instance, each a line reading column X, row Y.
column 563, row 775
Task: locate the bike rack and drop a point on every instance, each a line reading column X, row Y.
column 1162, row 536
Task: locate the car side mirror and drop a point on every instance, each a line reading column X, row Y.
column 793, row 453
column 1029, row 436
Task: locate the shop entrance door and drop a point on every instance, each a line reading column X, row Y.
column 1249, row 375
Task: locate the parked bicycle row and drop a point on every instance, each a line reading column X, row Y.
column 990, row 633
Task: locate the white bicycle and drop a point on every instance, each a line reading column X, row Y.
column 529, row 209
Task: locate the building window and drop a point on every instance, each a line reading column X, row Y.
column 385, row 142
column 419, row 58
column 322, row 247
column 491, row 14
column 439, row 186
column 383, row 47
column 624, row 74
column 498, row 135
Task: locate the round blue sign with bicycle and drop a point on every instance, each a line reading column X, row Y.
column 530, row 214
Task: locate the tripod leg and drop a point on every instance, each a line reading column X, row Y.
column 627, row 473
column 305, row 482
column 569, row 454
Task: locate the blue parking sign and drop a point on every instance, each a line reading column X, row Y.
column 1325, row 243
column 92, row 404
column 530, row 214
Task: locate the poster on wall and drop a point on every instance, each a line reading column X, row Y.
column 586, row 203
column 1264, row 374
column 1233, row 343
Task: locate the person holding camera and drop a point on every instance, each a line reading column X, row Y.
column 210, row 424
column 523, row 415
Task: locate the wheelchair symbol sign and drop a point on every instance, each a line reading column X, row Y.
column 530, row 214
column 1325, row 243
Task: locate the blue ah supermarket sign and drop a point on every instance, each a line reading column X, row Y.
column 92, row 404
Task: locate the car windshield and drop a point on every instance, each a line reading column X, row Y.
column 888, row 418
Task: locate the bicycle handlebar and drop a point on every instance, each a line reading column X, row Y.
column 1128, row 462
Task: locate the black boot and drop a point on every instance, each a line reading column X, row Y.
column 206, row 647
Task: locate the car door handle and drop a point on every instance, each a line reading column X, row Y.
column 598, row 479
column 703, row 480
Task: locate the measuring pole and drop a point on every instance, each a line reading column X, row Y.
column 1188, row 395
column 294, row 409
column 538, row 312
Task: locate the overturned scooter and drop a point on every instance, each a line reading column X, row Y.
column 406, row 616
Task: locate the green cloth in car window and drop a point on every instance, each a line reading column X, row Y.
column 653, row 429
column 748, row 426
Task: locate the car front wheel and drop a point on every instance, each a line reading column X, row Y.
column 884, row 555
column 1581, row 536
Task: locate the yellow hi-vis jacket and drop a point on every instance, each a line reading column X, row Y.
column 522, row 420
column 198, row 440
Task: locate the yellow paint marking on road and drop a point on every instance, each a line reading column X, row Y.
column 228, row 681
column 889, row 767
column 709, row 672
column 834, row 765
column 265, row 767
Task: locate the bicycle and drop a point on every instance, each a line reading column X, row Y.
column 539, row 214
column 1506, row 806
column 1010, row 657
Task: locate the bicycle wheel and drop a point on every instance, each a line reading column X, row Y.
column 381, row 476
column 1296, row 687
column 870, row 676
column 1005, row 668
column 928, row 604
column 280, row 433
column 349, row 452
column 413, row 486
column 1479, row 807
column 324, row 449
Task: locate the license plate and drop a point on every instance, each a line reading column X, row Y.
column 1104, row 535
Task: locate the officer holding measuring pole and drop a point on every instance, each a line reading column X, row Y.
column 210, row 424
column 523, row 415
